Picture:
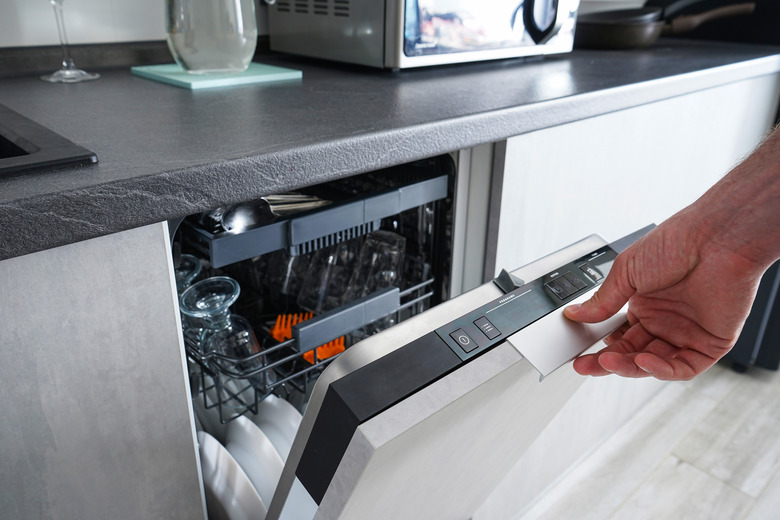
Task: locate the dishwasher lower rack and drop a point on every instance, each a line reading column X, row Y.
column 234, row 386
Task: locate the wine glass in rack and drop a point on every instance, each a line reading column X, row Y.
column 69, row 73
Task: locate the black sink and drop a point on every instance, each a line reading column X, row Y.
column 26, row 146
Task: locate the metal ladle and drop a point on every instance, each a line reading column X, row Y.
column 246, row 215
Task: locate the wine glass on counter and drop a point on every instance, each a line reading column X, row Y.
column 69, row 73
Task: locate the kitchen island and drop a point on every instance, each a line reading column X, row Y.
column 96, row 416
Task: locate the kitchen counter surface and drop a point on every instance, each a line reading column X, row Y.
column 166, row 152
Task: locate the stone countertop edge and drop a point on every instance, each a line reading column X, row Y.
column 45, row 220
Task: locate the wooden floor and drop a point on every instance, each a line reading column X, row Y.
column 707, row 449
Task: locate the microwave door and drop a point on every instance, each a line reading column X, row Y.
column 445, row 26
column 419, row 422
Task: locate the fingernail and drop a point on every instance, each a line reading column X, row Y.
column 574, row 307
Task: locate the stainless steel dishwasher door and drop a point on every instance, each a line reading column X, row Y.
column 399, row 427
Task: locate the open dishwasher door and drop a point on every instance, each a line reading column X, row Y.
column 425, row 419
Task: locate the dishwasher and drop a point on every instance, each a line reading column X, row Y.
column 407, row 403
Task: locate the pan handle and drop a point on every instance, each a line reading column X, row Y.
column 686, row 23
column 543, row 34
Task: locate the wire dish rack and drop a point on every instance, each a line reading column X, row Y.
column 235, row 386
column 288, row 365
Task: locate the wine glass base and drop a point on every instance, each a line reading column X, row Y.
column 70, row 76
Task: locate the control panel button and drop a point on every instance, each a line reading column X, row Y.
column 590, row 271
column 487, row 328
column 464, row 340
column 556, row 288
column 575, row 280
column 566, row 285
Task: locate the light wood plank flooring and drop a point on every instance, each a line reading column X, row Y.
column 708, row 449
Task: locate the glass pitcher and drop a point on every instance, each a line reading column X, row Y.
column 211, row 36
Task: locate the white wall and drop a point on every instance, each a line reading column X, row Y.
column 25, row 23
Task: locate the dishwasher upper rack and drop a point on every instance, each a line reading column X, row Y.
column 279, row 368
column 311, row 230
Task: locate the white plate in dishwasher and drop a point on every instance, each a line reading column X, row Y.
column 229, row 493
column 256, row 455
column 279, row 421
column 209, row 417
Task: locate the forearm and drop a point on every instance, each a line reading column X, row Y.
column 742, row 211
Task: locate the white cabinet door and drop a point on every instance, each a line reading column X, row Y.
column 96, row 411
column 618, row 172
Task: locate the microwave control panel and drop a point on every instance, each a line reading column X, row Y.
column 479, row 330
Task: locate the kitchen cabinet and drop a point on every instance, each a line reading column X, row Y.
column 96, row 415
column 614, row 173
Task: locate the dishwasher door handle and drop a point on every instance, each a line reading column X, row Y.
column 554, row 340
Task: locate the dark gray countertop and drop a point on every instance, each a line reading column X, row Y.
column 167, row 152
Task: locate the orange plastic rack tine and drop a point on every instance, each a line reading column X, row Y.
column 325, row 351
column 282, row 328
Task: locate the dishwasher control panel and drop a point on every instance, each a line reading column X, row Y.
column 487, row 326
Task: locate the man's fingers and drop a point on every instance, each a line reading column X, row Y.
column 588, row 365
column 604, row 363
column 621, row 364
column 686, row 365
column 608, row 299
column 624, row 344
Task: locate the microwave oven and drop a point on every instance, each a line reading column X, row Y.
column 399, row 34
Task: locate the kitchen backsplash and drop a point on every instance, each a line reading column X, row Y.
column 25, row 23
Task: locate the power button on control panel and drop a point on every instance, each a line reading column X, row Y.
column 464, row 340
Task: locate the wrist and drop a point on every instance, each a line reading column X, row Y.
column 741, row 213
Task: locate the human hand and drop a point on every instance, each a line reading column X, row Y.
column 688, row 298
column 691, row 281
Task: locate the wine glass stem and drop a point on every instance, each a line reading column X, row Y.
column 67, row 61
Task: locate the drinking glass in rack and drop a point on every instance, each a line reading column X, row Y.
column 186, row 272
column 209, row 301
column 69, row 73
column 214, row 329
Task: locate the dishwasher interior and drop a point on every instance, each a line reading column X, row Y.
column 362, row 254
column 273, row 290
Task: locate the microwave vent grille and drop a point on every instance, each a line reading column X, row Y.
column 316, row 7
